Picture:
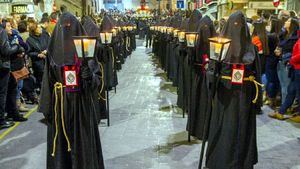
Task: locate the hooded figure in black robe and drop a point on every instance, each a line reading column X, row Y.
column 182, row 95
column 174, row 53
column 200, row 100
column 73, row 140
column 106, row 55
column 232, row 133
column 93, row 30
column 188, row 60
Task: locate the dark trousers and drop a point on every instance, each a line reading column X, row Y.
column 11, row 98
column 4, row 78
column 293, row 92
column 273, row 84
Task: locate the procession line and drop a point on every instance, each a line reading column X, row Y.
column 9, row 130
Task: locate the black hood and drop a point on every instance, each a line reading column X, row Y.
column 61, row 48
column 194, row 21
column 90, row 27
column 206, row 30
column 106, row 24
column 184, row 24
column 241, row 49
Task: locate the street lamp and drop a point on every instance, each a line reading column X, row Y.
column 181, row 36
column 218, row 48
column 85, row 46
column 106, row 37
column 191, row 38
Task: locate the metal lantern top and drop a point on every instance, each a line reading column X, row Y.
column 85, row 46
column 181, row 36
column 218, row 48
column 191, row 39
column 106, row 37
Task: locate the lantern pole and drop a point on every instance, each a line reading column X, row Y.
column 107, row 86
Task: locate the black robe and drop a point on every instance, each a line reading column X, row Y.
column 107, row 56
column 99, row 97
column 199, row 96
column 189, row 72
column 182, row 52
column 232, row 133
column 73, row 140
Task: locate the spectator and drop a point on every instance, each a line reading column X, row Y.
column 288, row 38
column 53, row 20
column 17, row 63
column 6, row 51
column 273, row 84
column 295, row 87
column 38, row 43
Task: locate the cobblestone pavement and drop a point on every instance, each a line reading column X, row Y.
column 147, row 130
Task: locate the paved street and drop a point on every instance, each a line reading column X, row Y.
column 147, row 130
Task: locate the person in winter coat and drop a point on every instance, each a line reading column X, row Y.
column 273, row 85
column 295, row 63
column 16, row 63
column 286, row 73
column 38, row 43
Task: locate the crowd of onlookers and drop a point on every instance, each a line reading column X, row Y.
column 23, row 49
column 277, row 40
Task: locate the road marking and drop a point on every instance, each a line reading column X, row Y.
column 8, row 131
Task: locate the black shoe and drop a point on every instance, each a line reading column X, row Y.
column 18, row 118
column 6, row 124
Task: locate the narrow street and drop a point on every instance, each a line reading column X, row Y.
column 147, row 129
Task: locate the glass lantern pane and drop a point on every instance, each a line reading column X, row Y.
column 214, row 51
column 190, row 40
column 108, row 37
column 225, row 50
column 181, row 36
column 89, row 47
column 77, row 43
column 102, row 38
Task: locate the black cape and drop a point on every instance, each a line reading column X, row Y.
column 93, row 30
column 107, row 55
column 200, row 100
column 232, row 133
column 71, row 116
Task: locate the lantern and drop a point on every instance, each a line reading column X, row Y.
column 114, row 32
column 218, row 48
column 175, row 33
column 165, row 29
column 85, row 46
column 191, row 39
column 129, row 28
column 151, row 28
column 181, row 36
column 106, row 37
column 170, row 30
